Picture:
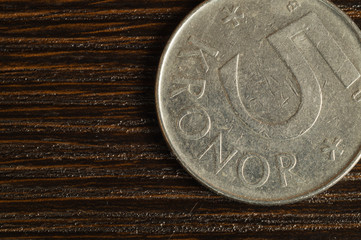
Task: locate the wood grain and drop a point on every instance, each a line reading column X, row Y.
column 81, row 152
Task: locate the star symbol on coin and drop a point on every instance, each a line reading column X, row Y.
column 232, row 16
column 293, row 5
column 332, row 148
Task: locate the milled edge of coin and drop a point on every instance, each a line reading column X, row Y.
column 227, row 194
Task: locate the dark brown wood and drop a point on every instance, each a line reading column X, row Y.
column 81, row 152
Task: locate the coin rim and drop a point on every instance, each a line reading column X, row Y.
column 202, row 181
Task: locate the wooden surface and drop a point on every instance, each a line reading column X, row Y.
column 81, row 152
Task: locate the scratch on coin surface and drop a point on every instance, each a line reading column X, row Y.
column 324, row 83
column 285, row 101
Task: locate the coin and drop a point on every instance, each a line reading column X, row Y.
column 261, row 100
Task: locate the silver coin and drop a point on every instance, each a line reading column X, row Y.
column 261, row 100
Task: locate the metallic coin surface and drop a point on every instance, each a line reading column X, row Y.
column 261, row 100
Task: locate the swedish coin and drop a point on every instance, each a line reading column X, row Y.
column 261, row 100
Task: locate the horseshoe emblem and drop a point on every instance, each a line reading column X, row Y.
column 299, row 54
